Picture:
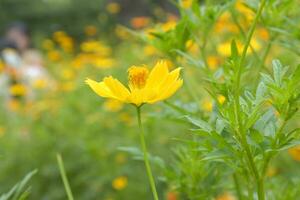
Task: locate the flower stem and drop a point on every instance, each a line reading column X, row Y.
column 64, row 177
column 145, row 152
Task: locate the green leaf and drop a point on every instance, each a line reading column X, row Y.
column 260, row 92
column 220, row 125
column 200, row 124
column 254, row 115
column 257, row 136
column 215, row 156
column 277, row 71
column 19, row 191
column 266, row 123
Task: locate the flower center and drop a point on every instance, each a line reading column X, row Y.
column 137, row 77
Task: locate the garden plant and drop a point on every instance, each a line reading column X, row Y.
column 201, row 102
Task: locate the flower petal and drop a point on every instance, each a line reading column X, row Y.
column 135, row 97
column 157, row 74
column 166, row 88
column 100, row 88
column 117, row 88
column 171, row 90
column 169, row 79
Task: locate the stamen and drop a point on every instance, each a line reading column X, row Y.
column 137, row 77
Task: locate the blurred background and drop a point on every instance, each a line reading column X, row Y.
column 47, row 16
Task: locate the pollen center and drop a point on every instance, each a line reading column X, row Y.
column 137, row 77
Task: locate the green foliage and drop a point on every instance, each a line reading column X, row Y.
column 20, row 191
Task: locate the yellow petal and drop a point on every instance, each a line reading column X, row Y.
column 100, row 88
column 171, row 90
column 117, row 88
column 169, row 79
column 168, row 87
column 157, row 74
column 135, row 97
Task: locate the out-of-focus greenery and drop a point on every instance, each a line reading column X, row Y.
column 190, row 137
column 47, row 16
column 43, row 16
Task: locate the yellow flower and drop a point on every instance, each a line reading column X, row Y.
column 39, row 84
column 263, row 33
column 104, row 62
column 224, row 49
column 53, row 55
column 207, row 105
column 68, row 74
column 255, row 45
column 17, row 90
column 66, row 43
column 93, row 46
column 120, row 182
column 213, row 62
column 144, row 86
column 58, row 35
column 186, row 3
column 225, row 24
column 295, row 153
column 149, row 33
column 192, row 47
column 14, row 105
column 169, row 25
column 1, row 65
column 244, row 10
column 113, row 8
column 221, row 99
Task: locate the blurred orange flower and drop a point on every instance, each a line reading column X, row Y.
column 139, row 22
column 295, row 153
column 226, row 196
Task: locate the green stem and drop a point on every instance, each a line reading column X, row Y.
column 234, row 18
column 145, row 152
column 64, row 177
column 248, row 40
column 237, row 187
column 260, row 187
column 249, row 186
column 242, row 133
